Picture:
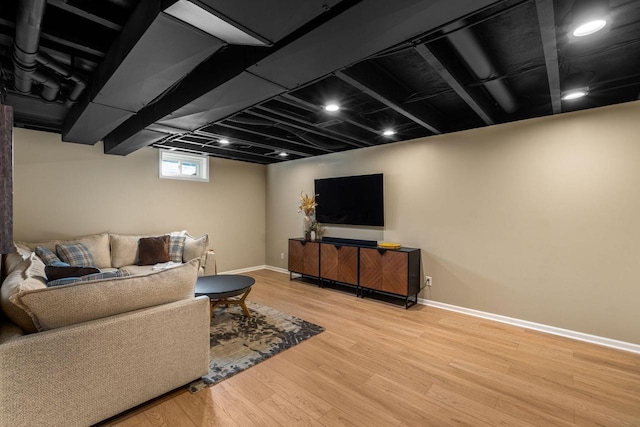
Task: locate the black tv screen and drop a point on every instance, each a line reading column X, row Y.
column 350, row 200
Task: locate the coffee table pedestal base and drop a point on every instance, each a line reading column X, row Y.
column 227, row 302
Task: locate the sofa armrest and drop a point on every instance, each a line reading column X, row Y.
column 84, row 373
column 210, row 267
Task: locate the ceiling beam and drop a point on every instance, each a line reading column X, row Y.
column 388, row 100
column 452, row 81
column 280, row 147
column 221, row 67
column 218, row 69
column 295, row 122
column 80, row 47
column 547, row 23
column 342, row 116
column 64, row 5
column 285, row 144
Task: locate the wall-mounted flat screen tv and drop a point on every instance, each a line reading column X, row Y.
column 350, row 200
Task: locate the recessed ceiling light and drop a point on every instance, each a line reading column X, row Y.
column 389, row 132
column 283, row 154
column 588, row 17
column 224, row 141
column 332, row 107
column 576, row 94
column 589, row 28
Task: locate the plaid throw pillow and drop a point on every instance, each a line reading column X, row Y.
column 176, row 246
column 75, row 254
column 89, row 278
column 46, row 255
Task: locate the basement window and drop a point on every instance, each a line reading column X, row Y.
column 189, row 167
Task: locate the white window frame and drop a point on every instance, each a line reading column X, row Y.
column 202, row 164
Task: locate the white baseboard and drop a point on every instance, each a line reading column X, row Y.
column 254, row 268
column 277, row 269
column 246, row 270
column 580, row 336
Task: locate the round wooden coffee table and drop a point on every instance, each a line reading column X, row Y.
column 222, row 287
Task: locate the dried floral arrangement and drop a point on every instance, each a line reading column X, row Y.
column 307, row 204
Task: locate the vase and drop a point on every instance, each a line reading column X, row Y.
column 306, row 227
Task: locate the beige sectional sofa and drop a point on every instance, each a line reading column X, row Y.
column 76, row 354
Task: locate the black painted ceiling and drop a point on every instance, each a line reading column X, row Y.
column 418, row 67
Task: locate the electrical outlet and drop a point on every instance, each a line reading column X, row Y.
column 428, row 281
column 281, row 255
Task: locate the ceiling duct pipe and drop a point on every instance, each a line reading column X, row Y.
column 80, row 83
column 469, row 48
column 50, row 85
column 27, row 42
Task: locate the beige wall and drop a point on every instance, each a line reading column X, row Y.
column 63, row 189
column 537, row 220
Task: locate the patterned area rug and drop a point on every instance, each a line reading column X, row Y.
column 239, row 342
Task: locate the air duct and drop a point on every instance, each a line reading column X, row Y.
column 469, row 48
column 27, row 42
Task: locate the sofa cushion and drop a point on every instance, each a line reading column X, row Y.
column 124, row 249
column 60, row 306
column 9, row 331
column 153, row 250
column 98, row 245
column 75, row 254
column 36, row 269
column 55, row 273
column 24, row 278
column 176, row 245
column 100, row 275
column 19, row 254
column 195, row 248
column 46, row 255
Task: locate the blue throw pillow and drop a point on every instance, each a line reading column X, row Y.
column 176, row 247
column 76, row 254
column 89, row 278
column 46, row 255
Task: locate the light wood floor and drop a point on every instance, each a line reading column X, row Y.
column 380, row 365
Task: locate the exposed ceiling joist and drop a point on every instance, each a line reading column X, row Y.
column 547, row 24
column 295, row 122
column 286, row 144
column 73, row 44
column 344, row 115
column 64, row 5
column 452, row 81
column 282, row 147
column 387, row 100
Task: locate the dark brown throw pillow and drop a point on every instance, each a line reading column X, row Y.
column 55, row 273
column 152, row 250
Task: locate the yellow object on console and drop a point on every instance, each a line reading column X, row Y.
column 389, row 245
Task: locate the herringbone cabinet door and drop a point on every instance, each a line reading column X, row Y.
column 370, row 268
column 329, row 262
column 394, row 272
column 295, row 256
column 348, row 265
column 311, row 253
